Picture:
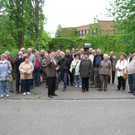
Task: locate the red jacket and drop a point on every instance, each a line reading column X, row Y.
column 11, row 61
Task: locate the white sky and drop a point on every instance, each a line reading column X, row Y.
column 73, row 13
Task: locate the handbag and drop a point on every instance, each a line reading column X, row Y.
column 125, row 75
column 10, row 76
column 73, row 70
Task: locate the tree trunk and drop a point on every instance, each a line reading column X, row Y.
column 20, row 40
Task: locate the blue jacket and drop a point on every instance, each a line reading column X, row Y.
column 5, row 70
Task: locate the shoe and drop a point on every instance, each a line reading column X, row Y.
column 80, row 86
column 100, row 89
column 117, row 89
column 24, row 94
column 38, row 85
column 54, row 94
column 105, row 89
column 28, row 93
column 47, row 87
column 83, row 91
column 17, row 92
column 130, row 92
column 87, row 90
column 64, row 89
column 113, row 83
column 50, row 96
column 76, row 86
column 35, row 85
column 31, row 87
column 1, row 96
column 7, row 96
column 123, row 90
column 108, row 83
column 12, row 91
column 72, row 84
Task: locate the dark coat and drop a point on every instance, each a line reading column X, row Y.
column 94, row 61
column 85, row 68
column 51, row 71
column 70, row 59
column 64, row 65
column 17, row 62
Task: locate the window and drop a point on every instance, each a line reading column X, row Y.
column 89, row 30
column 86, row 31
column 82, row 32
column 76, row 33
column 93, row 32
column 97, row 29
column 79, row 33
column 61, row 47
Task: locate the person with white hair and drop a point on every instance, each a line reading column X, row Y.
column 90, row 51
column 17, row 61
column 70, row 59
column 23, row 50
column 5, row 71
column 10, row 59
column 113, row 60
column 63, row 71
column 96, row 62
column 81, row 53
column 105, row 70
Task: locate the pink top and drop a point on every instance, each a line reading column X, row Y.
column 37, row 63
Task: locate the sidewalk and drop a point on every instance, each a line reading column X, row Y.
column 72, row 93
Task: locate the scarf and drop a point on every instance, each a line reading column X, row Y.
column 122, row 59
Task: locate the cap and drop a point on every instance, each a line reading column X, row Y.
column 131, row 51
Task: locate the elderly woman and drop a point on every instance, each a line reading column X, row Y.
column 5, row 71
column 75, row 65
column 105, row 70
column 26, row 69
column 85, row 69
column 121, row 67
column 44, row 65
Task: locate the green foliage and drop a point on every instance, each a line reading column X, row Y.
column 124, row 14
column 58, row 31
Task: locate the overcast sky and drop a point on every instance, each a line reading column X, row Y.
column 73, row 13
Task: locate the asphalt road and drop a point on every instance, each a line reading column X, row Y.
column 67, row 117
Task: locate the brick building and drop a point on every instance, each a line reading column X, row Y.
column 81, row 31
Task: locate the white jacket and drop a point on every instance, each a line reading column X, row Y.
column 91, row 57
column 123, row 66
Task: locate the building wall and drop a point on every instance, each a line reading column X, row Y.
column 105, row 28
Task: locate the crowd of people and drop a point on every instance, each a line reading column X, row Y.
column 79, row 67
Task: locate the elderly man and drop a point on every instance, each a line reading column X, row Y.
column 63, row 71
column 90, row 51
column 70, row 59
column 96, row 62
column 81, row 54
column 57, row 57
column 17, row 61
column 91, row 57
column 113, row 60
column 52, row 67
column 73, row 50
column 131, row 72
column 23, row 50
column 32, row 59
column 12, row 64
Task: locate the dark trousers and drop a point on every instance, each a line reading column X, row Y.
column 71, row 78
column 113, row 77
column 37, row 76
column 17, row 76
column 51, row 85
column 121, row 82
column 103, row 79
column 85, row 83
column 26, row 85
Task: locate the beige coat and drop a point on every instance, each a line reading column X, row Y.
column 114, row 62
column 105, row 68
column 26, row 67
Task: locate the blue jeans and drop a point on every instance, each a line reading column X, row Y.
column 46, row 79
column 76, row 77
column 37, row 76
column 26, row 85
column 6, row 87
column 131, row 82
column 64, row 75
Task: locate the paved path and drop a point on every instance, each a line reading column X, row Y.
column 73, row 93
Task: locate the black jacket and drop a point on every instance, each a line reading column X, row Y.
column 70, row 59
column 17, row 62
column 64, row 65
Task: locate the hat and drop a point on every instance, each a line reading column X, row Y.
column 131, row 51
column 77, row 49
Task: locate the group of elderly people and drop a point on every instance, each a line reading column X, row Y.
column 32, row 68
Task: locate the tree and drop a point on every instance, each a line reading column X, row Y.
column 58, row 31
column 124, row 13
column 24, row 18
